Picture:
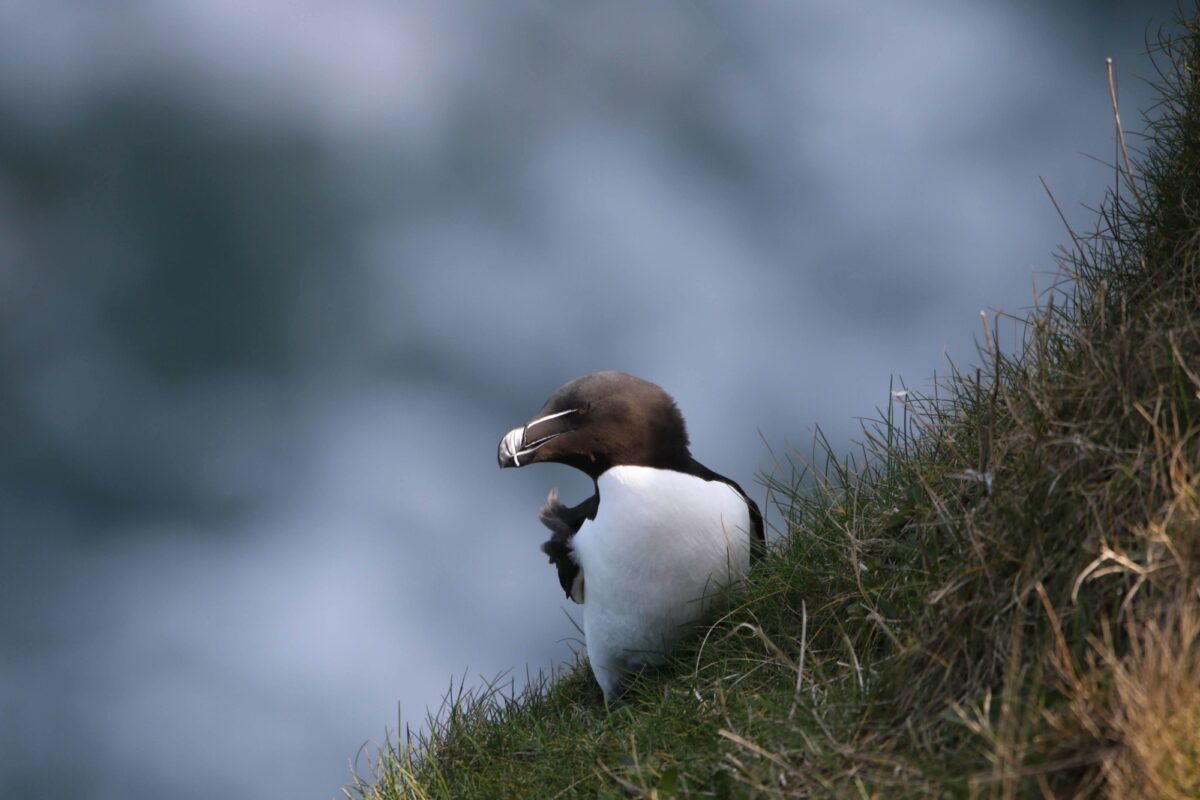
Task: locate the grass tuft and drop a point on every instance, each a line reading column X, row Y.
column 998, row 596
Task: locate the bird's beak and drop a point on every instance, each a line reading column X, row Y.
column 509, row 454
column 519, row 446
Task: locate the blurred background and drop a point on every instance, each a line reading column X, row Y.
column 275, row 277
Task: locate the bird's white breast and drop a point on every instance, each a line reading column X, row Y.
column 662, row 545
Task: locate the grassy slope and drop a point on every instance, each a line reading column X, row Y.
column 999, row 599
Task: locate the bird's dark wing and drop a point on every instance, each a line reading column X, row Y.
column 564, row 523
column 758, row 539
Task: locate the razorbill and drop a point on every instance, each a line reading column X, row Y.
column 669, row 535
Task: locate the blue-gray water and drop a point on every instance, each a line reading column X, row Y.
column 275, row 277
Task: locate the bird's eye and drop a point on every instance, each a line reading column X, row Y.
column 585, row 408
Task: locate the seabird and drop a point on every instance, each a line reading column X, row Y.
column 646, row 562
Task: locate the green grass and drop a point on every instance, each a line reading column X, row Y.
column 999, row 596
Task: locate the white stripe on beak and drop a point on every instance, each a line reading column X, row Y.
column 511, row 445
column 549, row 417
column 516, row 443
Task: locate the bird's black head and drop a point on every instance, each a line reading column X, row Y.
column 602, row 420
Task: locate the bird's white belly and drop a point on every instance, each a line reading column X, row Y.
column 663, row 544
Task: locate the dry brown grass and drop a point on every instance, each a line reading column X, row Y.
column 1072, row 643
column 1154, row 709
